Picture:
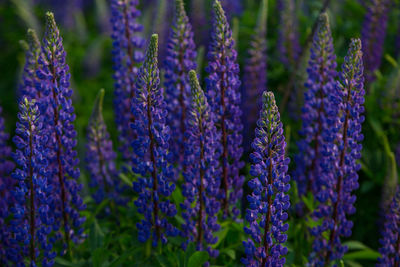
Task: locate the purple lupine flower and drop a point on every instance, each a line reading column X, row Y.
column 223, row 93
column 255, row 75
column 100, row 157
column 6, row 186
column 319, row 111
column 373, row 35
column 32, row 220
column 127, row 45
column 288, row 40
column 151, row 156
column 56, row 107
column 180, row 59
column 201, row 174
column 269, row 201
column 27, row 87
column 390, row 242
column 343, row 178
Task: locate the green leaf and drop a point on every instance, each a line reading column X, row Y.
column 65, row 263
column 96, row 236
column 124, row 257
column 367, row 254
column 198, row 259
column 355, row 245
column 230, row 252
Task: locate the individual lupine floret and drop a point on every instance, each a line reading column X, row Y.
column 318, row 113
column 180, row 59
column 127, row 53
column 390, row 242
column 373, row 35
column 223, row 93
column 100, row 157
column 288, row 40
column 6, row 186
column 151, row 156
column 269, row 201
column 29, row 79
column 202, row 175
column 338, row 187
column 255, row 75
column 32, row 219
column 56, row 107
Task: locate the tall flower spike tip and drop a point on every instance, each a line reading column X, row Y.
column 390, row 241
column 6, row 186
column 127, row 54
column 288, row 40
column 32, row 219
column 100, row 157
column 318, row 114
column 29, row 79
column 56, row 107
column 180, row 59
column 223, row 93
column 151, row 158
column 343, row 179
column 373, row 35
column 269, row 201
column 255, row 75
column 202, row 182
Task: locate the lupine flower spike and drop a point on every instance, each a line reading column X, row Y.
column 339, row 200
column 29, row 78
column 373, row 35
column 6, row 185
column 150, row 148
column 202, row 175
column 318, row 113
column 255, row 75
column 223, row 93
column 180, row 59
column 127, row 53
column 390, row 242
column 269, row 201
column 56, row 107
column 100, row 157
column 32, row 219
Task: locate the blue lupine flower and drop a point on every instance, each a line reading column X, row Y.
column 223, row 94
column 180, row 59
column 339, row 183
column 32, row 220
column 29, row 80
column 319, row 112
column 151, row 158
column 6, row 185
column 100, row 157
column 56, row 107
column 202, row 175
column 269, row 201
column 373, row 35
column 255, row 75
column 127, row 53
column 390, row 242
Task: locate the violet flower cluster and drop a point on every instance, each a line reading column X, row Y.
column 6, row 185
column 339, row 200
column 255, row 75
column 288, row 40
column 269, row 201
column 318, row 114
column 32, row 219
column 225, row 99
column 390, row 241
column 202, row 174
column 58, row 112
column 127, row 53
column 373, row 35
column 180, row 59
column 151, row 156
column 100, row 158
